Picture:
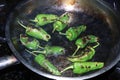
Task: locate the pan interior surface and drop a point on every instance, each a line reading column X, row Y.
column 100, row 20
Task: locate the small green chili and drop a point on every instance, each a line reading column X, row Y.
column 29, row 42
column 64, row 18
column 85, row 55
column 61, row 23
column 55, row 50
column 43, row 19
column 36, row 33
column 82, row 42
column 46, row 64
column 58, row 26
column 83, row 67
column 73, row 32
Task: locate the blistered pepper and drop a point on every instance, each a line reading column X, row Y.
column 73, row 32
column 65, row 18
column 84, row 67
column 54, row 50
column 82, row 42
column 43, row 19
column 61, row 23
column 36, row 33
column 85, row 55
column 58, row 26
column 44, row 63
column 29, row 42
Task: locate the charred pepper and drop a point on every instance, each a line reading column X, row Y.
column 43, row 19
column 64, row 18
column 44, row 63
column 29, row 42
column 73, row 32
column 36, row 33
column 61, row 23
column 85, row 55
column 40, row 59
column 83, row 67
column 59, row 26
column 55, row 50
column 82, row 42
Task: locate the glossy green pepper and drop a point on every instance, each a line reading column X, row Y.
column 64, row 18
column 82, row 42
column 46, row 64
column 37, row 33
column 40, row 59
column 85, row 55
column 43, row 19
column 61, row 23
column 58, row 26
column 84, row 67
column 55, row 50
column 29, row 42
column 92, row 38
column 73, row 32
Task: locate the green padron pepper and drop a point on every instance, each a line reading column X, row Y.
column 73, row 32
column 52, row 50
column 64, row 18
column 61, row 23
column 58, row 26
column 36, row 33
column 56, row 50
column 29, row 42
column 85, row 55
column 82, row 42
column 43, row 62
column 83, row 67
column 43, row 19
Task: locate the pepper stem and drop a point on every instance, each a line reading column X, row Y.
column 62, row 33
column 67, row 68
column 41, row 47
column 97, row 44
column 39, row 52
column 34, row 20
column 21, row 24
column 78, row 47
column 31, row 52
column 53, row 30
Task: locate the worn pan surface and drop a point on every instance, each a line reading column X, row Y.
column 101, row 20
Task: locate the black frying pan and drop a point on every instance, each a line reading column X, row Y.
column 101, row 20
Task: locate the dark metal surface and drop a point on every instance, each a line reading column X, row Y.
column 109, row 62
